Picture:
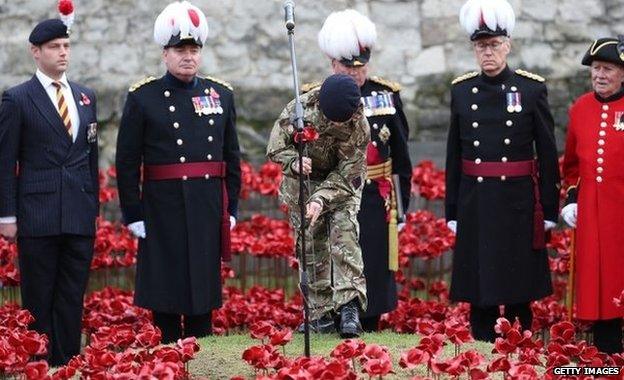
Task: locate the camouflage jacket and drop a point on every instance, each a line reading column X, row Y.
column 338, row 155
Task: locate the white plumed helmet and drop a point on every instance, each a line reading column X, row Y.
column 348, row 36
column 487, row 18
column 180, row 23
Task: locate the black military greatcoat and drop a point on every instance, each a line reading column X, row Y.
column 179, row 261
column 494, row 261
column 389, row 133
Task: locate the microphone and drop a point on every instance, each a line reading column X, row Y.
column 289, row 14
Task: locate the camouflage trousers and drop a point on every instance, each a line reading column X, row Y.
column 334, row 260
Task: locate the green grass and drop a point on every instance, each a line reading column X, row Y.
column 220, row 357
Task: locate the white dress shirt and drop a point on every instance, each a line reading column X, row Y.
column 46, row 82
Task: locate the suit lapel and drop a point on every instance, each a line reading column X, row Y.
column 81, row 108
column 42, row 101
column 81, row 114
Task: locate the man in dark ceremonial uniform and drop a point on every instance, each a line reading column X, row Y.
column 181, row 128
column 502, row 177
column 347, row 38
column 48, row 129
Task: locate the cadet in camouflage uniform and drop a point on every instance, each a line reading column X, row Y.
column 337, row 134
column 347, row 38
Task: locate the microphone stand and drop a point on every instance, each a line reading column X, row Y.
column 298, row 119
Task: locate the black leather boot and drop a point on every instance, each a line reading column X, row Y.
column 350, row 326
column 323, row 325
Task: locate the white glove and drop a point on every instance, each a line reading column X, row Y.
column 548, row 225
column 452, row 225
column 137, row 229
column 568, row 213
column 400, row 226
column 232, row 222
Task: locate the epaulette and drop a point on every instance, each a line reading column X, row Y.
column 307, row 87
column 464, row 77
column 140, row 83
column 529, row 75
column 394, row 86
column 221, row 82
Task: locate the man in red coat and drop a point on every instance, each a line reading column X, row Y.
column 593, row 170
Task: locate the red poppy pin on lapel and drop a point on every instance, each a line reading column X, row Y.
column 84, row 99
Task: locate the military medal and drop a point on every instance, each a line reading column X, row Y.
column 510, row 107
column 215, row 97
column 91, row 133
column 368, row 107
column 378, row 104
column 619, row 122
column 387, row 105
column 197, row 104
column 514, row 103
column 384, row 134
column 206, row 105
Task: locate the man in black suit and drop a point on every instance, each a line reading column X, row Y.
column 49, row 188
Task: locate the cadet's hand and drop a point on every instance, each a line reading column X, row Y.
column 548, row 225
column 568, row 213
column 401, row 226
column 9, row 231
column 137, row 229
column 313, row 210
column 232, row 222
column 452, row 225
column 307, row 166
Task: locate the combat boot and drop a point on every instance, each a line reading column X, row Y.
column 323, row 325
column 350, row 326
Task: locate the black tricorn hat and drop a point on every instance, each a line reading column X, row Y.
column 607, row 50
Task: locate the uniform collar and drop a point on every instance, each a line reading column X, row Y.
column 175, row 82
column 617, row 96
column 498, row 79
column 46, row 81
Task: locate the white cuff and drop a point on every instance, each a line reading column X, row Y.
column 549, row 225
column 452, row 225
column 8, row 220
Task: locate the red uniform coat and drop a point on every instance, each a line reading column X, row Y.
column 594, row 160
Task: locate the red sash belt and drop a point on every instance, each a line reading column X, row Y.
column 184, row 171
column 187, row 170
column 514, row 169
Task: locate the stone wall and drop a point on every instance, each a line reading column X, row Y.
column 420, row 45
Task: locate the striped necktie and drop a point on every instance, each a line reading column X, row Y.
column 62, row 107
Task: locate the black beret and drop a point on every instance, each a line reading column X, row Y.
column 358, row 60
column 48, row 30
column 607, row 50
column 339, row 98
